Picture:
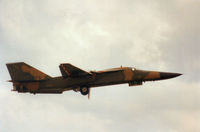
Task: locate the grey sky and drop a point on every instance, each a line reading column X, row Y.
column 92, row 34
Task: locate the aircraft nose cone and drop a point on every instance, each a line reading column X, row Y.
column 166, row 75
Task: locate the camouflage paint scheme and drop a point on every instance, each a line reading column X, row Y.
column 28, row 79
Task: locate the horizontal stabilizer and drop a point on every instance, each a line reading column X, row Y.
column 21, row 71
column 68, row 70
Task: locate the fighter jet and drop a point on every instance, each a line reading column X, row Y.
column 25, row 78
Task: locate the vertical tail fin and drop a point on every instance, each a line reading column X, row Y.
column 21, row 71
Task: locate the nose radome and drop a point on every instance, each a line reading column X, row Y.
column 167, row 75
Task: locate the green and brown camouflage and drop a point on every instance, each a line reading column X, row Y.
column 28, row 79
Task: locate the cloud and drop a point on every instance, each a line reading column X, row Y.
column 150, row 35
column 182, row 41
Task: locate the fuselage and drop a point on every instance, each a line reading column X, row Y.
column 120, row 75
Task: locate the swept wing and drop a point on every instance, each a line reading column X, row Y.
column 68, row 70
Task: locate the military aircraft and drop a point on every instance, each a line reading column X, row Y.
column 25, row 78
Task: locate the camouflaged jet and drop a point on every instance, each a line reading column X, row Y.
column 28, row 79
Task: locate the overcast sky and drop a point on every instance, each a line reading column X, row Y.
column 95, row 35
